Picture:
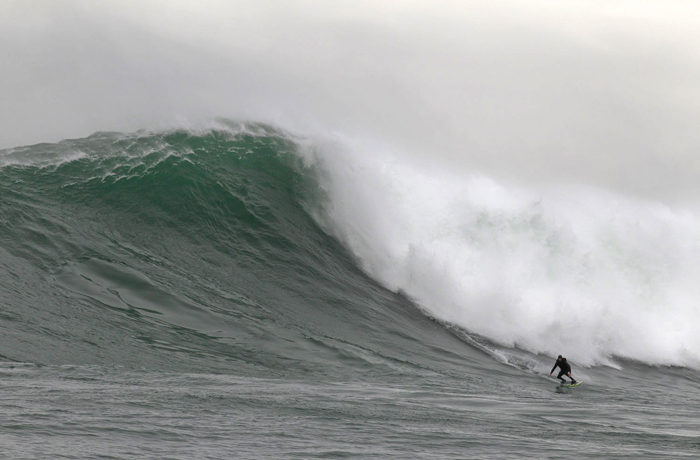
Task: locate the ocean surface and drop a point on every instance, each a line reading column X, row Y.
column 243, row 292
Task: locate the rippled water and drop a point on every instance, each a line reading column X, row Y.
column 93, row 412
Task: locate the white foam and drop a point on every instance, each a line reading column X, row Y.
column 562, row 269
column 18, row 157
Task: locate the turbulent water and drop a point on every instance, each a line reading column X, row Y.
column 242, row 292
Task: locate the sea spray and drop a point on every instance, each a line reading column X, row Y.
column 551, row 269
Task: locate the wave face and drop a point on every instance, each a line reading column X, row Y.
column 190, row 251
column 245, row 244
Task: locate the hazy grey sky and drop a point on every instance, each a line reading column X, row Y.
column 597, row 91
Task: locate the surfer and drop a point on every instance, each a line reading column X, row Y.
column 564, row 369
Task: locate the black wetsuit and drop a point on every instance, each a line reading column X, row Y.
column 564, row 368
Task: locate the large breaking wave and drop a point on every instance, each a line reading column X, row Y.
column 183, row 247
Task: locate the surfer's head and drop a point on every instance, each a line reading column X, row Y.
column 559, row 358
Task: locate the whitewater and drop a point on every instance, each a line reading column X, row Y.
column 363, row 230
column 564, row 267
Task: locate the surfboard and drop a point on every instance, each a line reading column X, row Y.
column 572, row 385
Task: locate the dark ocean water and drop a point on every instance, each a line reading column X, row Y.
column 173, row 295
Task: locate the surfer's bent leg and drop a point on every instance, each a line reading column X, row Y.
column 560, row 377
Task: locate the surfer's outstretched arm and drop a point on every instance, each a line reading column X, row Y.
column 554, row 367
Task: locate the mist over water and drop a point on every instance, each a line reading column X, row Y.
column 592, row 92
